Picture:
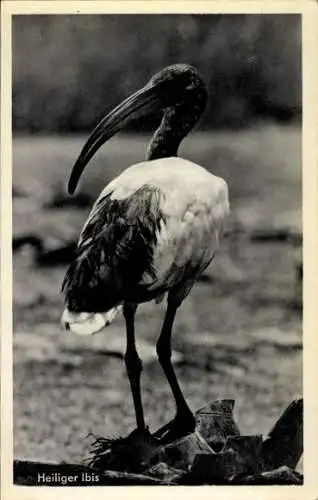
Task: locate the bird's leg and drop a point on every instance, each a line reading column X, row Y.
column 133, row 363
column 184, row 421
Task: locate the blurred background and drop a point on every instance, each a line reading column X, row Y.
column 238, row 335
column 68, row 70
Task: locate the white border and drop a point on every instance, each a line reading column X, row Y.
column 309, row 10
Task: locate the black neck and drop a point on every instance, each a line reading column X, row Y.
column 176, row 123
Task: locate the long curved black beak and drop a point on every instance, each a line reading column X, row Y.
column 141, row 103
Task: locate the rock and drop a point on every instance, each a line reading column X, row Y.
column 211, row 469
column 247, row 451
column 281, row 476
column 241, row 457
column 215, row 423
column 164, row 472
column 284, row 444
column 300, row 465
column 181, row 453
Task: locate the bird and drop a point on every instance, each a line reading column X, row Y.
column 151, row 232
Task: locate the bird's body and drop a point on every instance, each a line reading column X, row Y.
column 151, row 232
column 162, row 220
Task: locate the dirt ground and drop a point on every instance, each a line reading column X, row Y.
column 238, row 335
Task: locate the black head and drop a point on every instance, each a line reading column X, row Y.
column 177, row 83
column 176, row 86
column 182, row 75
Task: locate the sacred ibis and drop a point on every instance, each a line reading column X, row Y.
column 152, row 231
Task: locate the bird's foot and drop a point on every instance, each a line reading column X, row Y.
column 128, row 453
column 182, row 425
column 140, row 433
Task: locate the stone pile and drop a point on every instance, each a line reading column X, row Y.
column 215, row 453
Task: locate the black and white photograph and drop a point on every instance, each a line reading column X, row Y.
column 157, row 249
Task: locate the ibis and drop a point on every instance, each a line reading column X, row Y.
column 152, row 231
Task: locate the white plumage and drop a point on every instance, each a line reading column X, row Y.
column 195, row 205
